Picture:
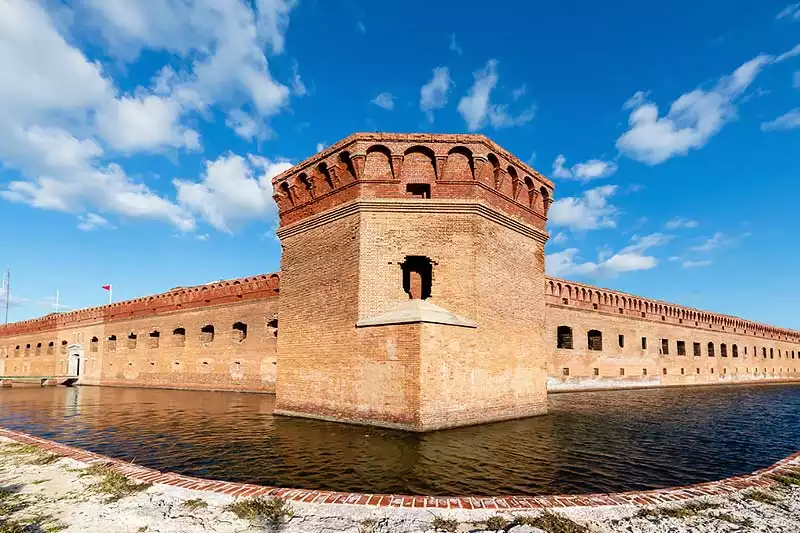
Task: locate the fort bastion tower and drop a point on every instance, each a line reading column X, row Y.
column 411, row 283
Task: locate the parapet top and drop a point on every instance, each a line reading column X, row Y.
column 402, row 165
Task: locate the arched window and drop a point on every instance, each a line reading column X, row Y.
column 207, row 333
column 38, row 348
column 545, row 199
column 272, row 325
column 735, row 350
column 179, row 337
column 112, row 343
column 239, row 331
column 711, row 349
column 93, row 344
column 764, row 352
column 595, row 340
column 63, row 346
column 155, row 336
column 51, row 347
column 771, row 353
column 16, row 351
column 564, row 337
column 723, row 350
column 132, row 341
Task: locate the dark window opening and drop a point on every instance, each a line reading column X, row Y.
column 696, row 347
column 239, row 331
column 93, row 344
column 771, row 354
column 621, row 341
column 621, row 371
column 272, row 325
column 155, row 336
column 644, row 343
column 664, row 371
column 723, row 350
column 565, row 371
column 179, row 336
column 132, row 340
column 564, row 338
column 595, row 340
column 665, row 346
column 207, row 333
column 417, row 276
column 681, row 348
column 596, row 371
column 644, row 371
column 419, row 190
column 711, row 349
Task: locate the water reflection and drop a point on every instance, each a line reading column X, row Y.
column 602, row 441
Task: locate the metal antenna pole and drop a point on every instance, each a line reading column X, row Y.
column 7, row 287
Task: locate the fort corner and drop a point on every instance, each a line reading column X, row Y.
column 411, row 283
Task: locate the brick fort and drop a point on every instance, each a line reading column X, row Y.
column 412, row 294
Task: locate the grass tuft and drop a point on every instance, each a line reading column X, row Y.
column 761, row 496
column 45, row 459
column 10, row 503
column 12, row 526
column 727, row 517
column 493, row 523
column 21, row 449
column 273, row 511
column 551, row 523
column 196, row 503
column 440, row 523
column 367, row 525
column 788, row 480
column 112, row 483
column 682, row 511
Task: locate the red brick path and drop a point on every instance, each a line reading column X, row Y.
column 759, row 478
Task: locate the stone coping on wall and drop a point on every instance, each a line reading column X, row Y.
column 762, row 478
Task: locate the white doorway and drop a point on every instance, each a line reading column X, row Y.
column 75, row 360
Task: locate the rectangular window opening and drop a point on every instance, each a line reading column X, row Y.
column 419, row 190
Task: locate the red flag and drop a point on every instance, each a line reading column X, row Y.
column 107, row 287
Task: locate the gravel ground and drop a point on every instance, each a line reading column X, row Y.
column 44, row 493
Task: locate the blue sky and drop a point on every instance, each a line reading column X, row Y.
column 138, row 138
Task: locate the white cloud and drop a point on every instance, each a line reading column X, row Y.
column 692, row 119
column 788, row 55
column 591, row 211
column 790, row 11
column 384, row 100
column 321, row 146
column 433, row 95
column 93, row 221
column 145, row 123
column 519, row 92
column 630, row 258
column 454, row 45
column 586, row 171
column 638, row 98
column 64, row 120
column 201, row 237
column 787, row 121
column 796, row 80
column 244, row 125
column 697, row 264
column 476, row 107
column 680, row 222
column 232, row 190
column 713, row 242
column 559, row 238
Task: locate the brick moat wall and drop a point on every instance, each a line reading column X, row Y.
column 233, row 360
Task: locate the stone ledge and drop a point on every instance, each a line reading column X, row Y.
column 415, row 312
column 759, row 479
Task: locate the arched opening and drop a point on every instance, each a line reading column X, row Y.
column 51, row 347
column 272, row 325
column 564, row 337
column 239, row 332
column 179, row 337
column 495, row 169
column 38, row 348
column 322, row 169
column 347, row 164
column 378, row 165
column 595, row 340
column 207, row 333
column 63, row 346
column 545, row 199
column 723, row 350
column 112, row 343
column 711, row 349
column 735, row 351
column 155, row 336
column 93, row 344
column 417, row 276
column 132, row 341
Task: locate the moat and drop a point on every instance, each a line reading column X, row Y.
column 589, row 442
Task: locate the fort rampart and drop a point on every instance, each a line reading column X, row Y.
column 183, row 356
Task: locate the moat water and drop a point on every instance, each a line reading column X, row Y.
column 596, row 441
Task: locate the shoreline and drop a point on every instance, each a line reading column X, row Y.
column 317, row 510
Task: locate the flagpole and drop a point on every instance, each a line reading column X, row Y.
column 56, row 300
column 110, row 289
